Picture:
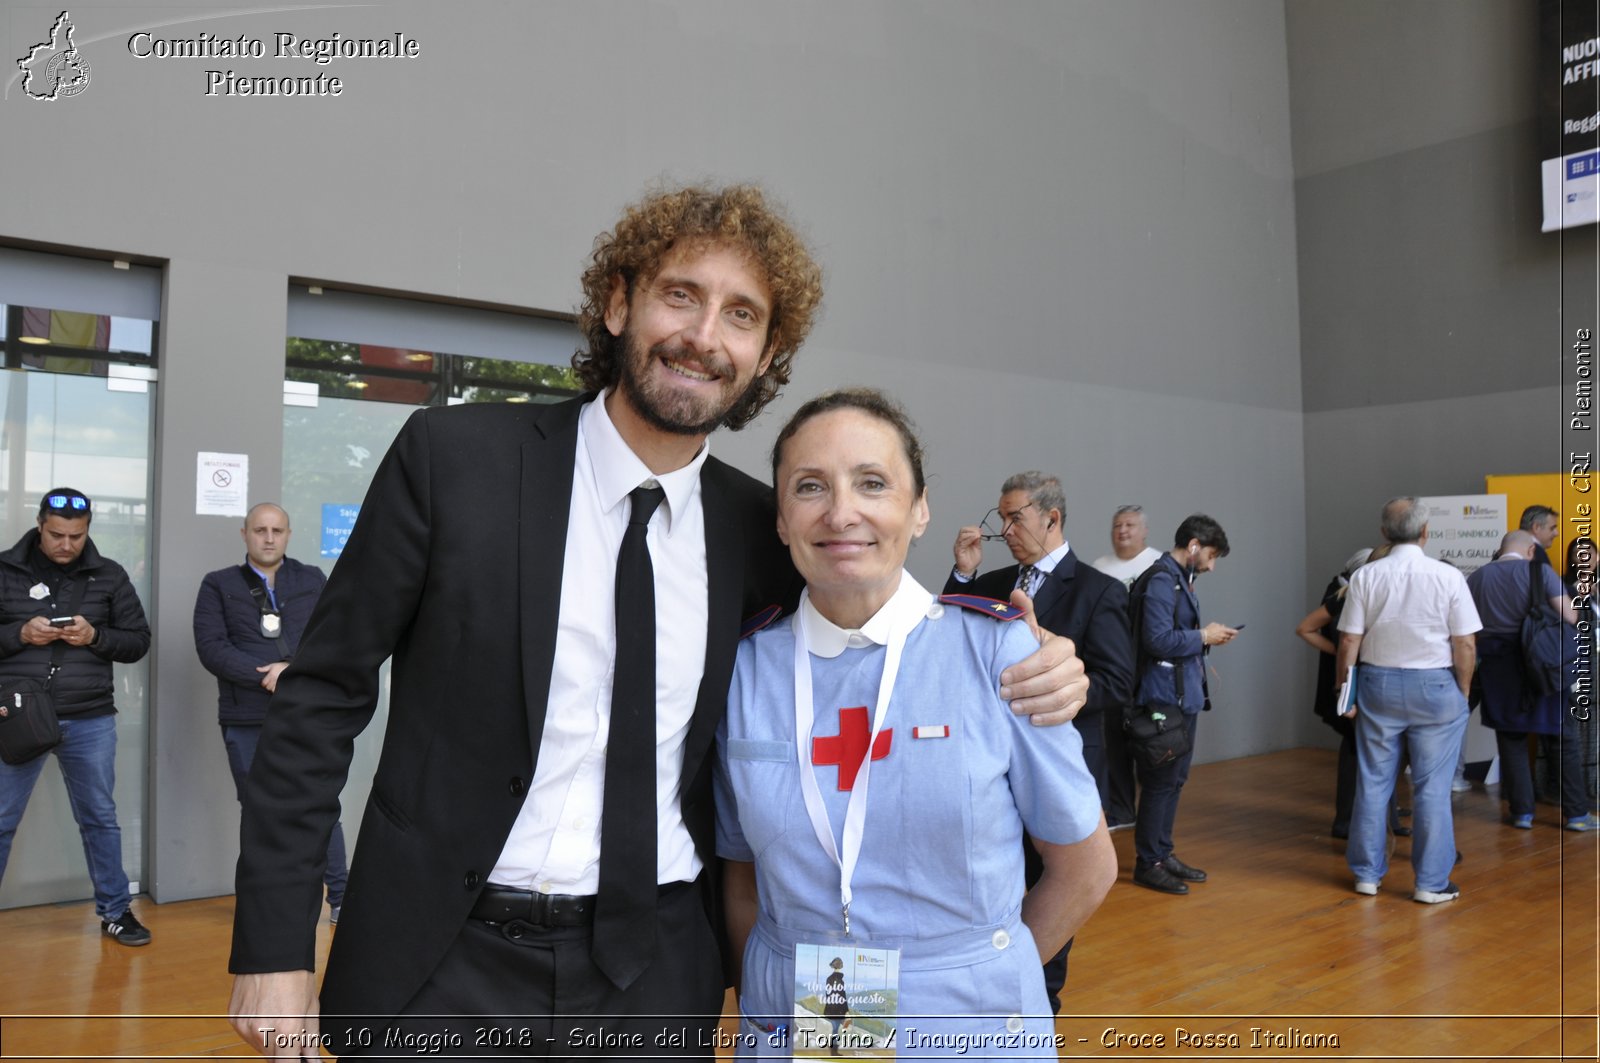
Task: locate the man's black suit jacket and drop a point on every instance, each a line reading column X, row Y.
column 454, row 568
column 1085, row 605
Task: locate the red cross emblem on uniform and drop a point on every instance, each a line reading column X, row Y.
column 848, row 748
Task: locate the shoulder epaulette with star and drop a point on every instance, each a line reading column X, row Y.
column 979, row 604
column 760, row 620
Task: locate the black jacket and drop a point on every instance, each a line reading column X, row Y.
column 82, row 688
column 454, row 569
column 1083, row 604
column 228, row 638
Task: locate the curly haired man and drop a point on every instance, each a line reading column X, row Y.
column 561, row 590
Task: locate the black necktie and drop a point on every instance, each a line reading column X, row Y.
column 625, row 910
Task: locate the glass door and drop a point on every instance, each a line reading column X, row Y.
column 84, row 432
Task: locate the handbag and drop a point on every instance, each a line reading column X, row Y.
column 1541, row 640
column 1156, row 735
column 28, row 725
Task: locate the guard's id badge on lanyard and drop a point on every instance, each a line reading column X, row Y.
column 271, row 625
column 845, row 1000
column 846, row 991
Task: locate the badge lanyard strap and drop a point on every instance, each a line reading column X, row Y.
column 855, row 816
column 266, row 601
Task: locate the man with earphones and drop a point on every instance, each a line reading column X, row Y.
column 1071, row 599
column 1172, row 678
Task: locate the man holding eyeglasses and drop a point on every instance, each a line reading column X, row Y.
column 67, row 613
column 1070, row 599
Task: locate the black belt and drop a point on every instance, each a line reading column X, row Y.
column 502, row 904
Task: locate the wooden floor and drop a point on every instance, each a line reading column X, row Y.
column 1275, row 950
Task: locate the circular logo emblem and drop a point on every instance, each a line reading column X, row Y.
column 67, row 73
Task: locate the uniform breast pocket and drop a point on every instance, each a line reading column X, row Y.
column 926, row 788
column 765, row 785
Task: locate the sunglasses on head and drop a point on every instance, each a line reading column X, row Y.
column 66, row 503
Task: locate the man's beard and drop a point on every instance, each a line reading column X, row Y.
column 677, row 412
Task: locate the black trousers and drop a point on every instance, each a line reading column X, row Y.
column 1159, row 790
column 1092, row 731
column 1117, row 796
column 513, row 990
column 1344, row 792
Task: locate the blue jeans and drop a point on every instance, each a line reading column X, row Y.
column 1423, row 710
column 1159, row 790
column 240, row 741
column 88, row 758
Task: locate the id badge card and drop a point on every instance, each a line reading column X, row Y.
column 846, row 997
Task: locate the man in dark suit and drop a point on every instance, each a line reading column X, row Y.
column 1071, row 599
column 497, row 558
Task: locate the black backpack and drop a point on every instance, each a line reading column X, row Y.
column 1155, row 737
column 1542, row 639
column 1136, row 597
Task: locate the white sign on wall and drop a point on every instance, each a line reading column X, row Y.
column 1465, row 530
column 222, row 484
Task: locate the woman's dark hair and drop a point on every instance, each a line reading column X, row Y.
column 869, row 401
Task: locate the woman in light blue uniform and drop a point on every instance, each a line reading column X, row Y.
column 930, row 861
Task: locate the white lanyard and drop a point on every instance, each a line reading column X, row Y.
column 855, row 815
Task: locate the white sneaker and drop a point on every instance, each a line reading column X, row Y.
column 1367, row 889
column 1450, row 892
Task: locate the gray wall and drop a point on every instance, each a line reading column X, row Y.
column 1433, row 310
column 1063, row 233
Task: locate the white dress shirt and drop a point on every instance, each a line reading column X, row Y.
column 1406, row 607
column 554, row 846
